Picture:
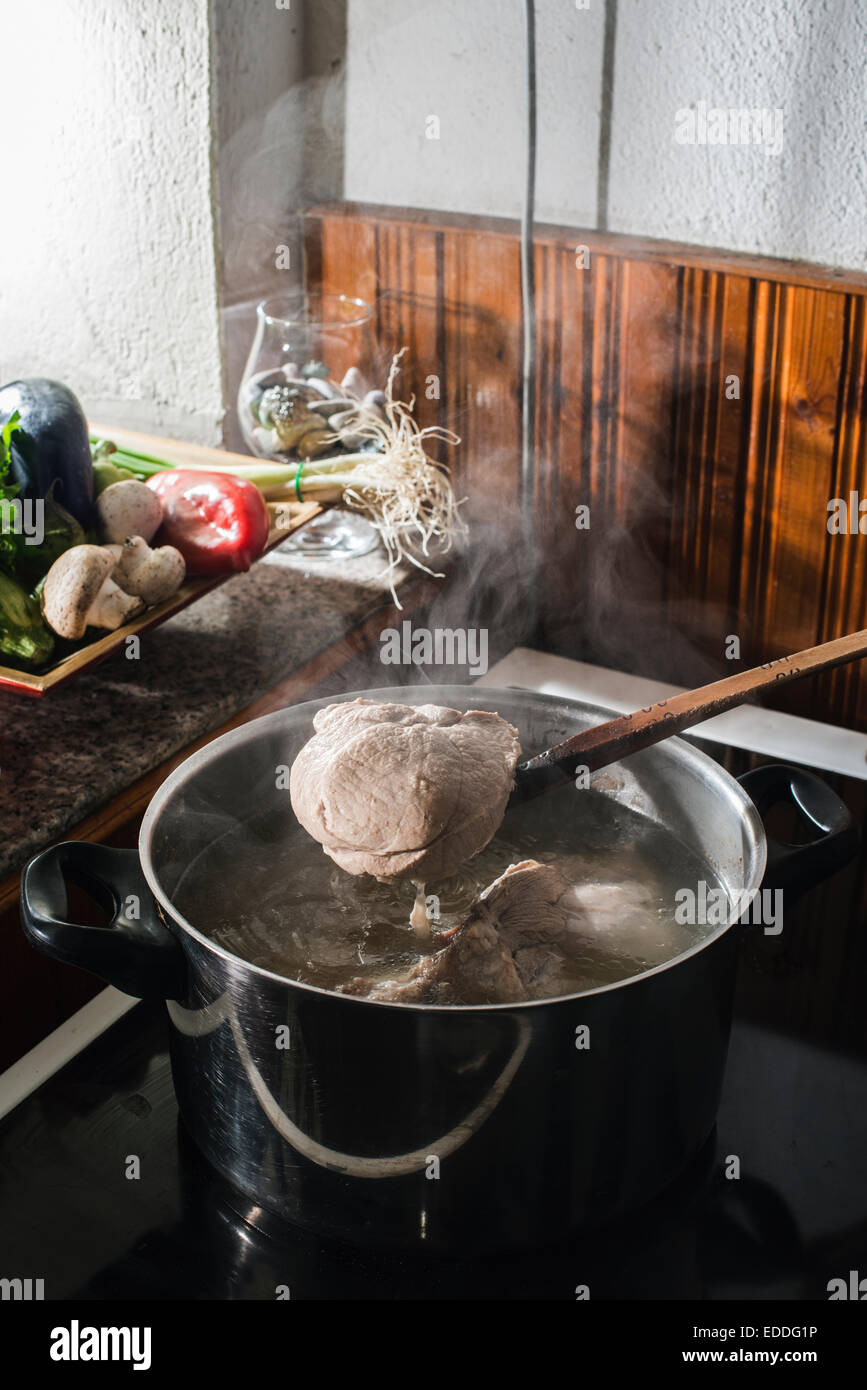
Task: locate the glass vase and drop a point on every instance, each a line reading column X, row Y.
column 314, row 357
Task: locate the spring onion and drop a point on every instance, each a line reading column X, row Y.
column 404, row 493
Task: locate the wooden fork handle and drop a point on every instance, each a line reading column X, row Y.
column 607, row 743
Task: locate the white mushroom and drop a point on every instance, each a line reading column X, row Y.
column 79, row 592
column 355, row 383
column 152, row 575
column 376, row 400
column 126, row 509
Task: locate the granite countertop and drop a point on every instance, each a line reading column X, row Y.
column 70, row 752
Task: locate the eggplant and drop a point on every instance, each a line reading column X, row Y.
column 50, row 445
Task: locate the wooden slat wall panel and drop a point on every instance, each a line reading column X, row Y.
column 613, row 424
column 846, row 556
column 481, row 367
column 708, row 508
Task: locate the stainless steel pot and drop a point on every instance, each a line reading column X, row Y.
column 452, row 1127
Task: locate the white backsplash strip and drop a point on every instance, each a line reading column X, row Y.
column 61, row 1046
column 786, row 737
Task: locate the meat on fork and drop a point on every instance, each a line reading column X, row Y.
column 403, row 791
column 505, row 950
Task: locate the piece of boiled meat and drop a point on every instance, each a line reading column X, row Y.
column 506, row 948
column 402, row 791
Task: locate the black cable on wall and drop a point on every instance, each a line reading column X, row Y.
column 606, row 103
column 528, row 301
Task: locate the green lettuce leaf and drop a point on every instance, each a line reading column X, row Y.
column 8, row 490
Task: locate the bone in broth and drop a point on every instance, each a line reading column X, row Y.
column 269, row 894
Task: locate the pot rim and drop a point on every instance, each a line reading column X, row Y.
column 433, row 694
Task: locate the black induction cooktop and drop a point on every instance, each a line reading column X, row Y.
column 774, row 1208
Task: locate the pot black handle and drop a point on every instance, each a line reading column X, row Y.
column 836, row 838
column 136, row 953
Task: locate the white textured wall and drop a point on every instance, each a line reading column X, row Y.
column 804, row 56
column 463, row 60
column 109, row 276
column 259, row 65
column 107, row 261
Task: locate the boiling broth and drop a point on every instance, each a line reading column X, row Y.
column 269, row 894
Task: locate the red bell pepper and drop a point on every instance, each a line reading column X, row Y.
column 217, row 522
